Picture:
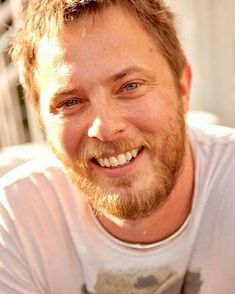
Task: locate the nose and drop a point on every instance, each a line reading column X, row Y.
column 108, row 123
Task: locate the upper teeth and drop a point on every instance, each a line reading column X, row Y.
column 121, row 159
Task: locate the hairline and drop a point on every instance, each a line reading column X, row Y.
column 56, row 27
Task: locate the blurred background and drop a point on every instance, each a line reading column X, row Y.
column 207, row 32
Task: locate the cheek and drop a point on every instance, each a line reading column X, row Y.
column 149, row 116
column 64, row 135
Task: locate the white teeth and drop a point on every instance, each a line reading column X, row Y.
column 106, row 162
column 121, row 159
column 113, row 161
column 134, row 152
column 101, row 162
column 128, row 156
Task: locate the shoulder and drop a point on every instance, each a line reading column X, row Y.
column 31, row 186
column 212, row 134
column 26, row 173
column 38, row 209
column 214, row 156
column 213, row 144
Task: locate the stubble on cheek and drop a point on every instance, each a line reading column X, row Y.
column 120, row 197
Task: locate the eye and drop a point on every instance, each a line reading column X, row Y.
column 131, row 86
column 70, row 104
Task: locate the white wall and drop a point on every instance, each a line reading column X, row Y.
column 207, row 29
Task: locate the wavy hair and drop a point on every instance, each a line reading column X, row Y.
column 48, row 17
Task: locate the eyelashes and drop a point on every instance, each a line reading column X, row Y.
column 71, row 104
column 131, row 86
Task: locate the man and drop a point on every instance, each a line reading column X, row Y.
column 140, row 203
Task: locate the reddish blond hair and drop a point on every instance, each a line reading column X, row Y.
column 47, row 17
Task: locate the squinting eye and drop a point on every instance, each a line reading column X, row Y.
column 68, row 104
column 131, row 86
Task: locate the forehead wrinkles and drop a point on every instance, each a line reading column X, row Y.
column 51, row 65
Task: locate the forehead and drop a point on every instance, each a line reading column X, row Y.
column 113, row 25
column 96, row 46
column 50, row 61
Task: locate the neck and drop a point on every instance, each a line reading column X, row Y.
column 166, row 220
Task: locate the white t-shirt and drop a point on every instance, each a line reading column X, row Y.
column 50, row 242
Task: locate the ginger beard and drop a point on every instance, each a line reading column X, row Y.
column 166, row 153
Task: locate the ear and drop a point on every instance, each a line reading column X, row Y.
column 185, row 86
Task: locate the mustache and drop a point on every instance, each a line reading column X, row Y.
column 121, row 145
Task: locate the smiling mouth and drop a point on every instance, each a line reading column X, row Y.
column 120, row 160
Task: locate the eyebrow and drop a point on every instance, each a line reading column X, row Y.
column 63, row 92
column 117, row 76
column 128, row 71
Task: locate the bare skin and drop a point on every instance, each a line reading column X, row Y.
column 97, row 85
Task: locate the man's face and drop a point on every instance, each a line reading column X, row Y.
column 112, row 113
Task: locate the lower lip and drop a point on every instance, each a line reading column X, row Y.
column 119, row 171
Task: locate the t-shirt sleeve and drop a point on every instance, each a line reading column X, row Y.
column 39, row 252
column 15, row 276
